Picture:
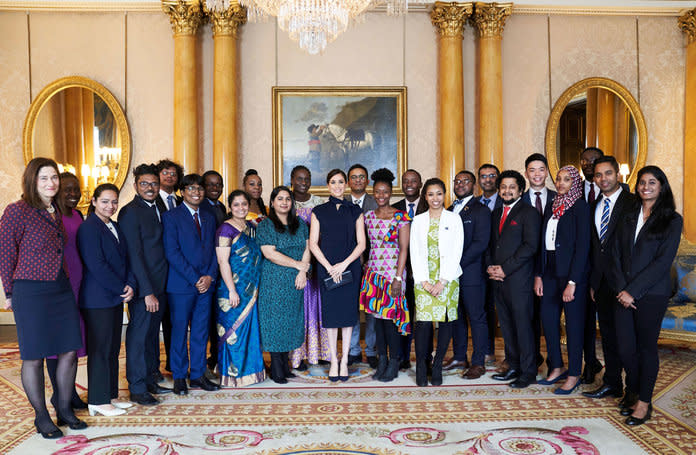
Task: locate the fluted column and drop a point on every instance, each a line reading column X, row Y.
column 489, row 20
column 185, row 16
column 449, row 20
column 687, row 23
column 225, row 93
column 605, row 121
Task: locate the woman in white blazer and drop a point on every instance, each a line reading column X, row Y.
column 436, row 243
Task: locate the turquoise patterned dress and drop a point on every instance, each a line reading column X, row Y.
column 240, row 359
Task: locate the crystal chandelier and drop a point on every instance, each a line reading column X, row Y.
column 312, row 23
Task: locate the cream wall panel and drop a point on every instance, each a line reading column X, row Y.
column 14, row 102
column 525, row 88
column 662, row 96
column 421, row 80
column 470, row 99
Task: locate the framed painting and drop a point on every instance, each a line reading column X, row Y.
column 325, row 128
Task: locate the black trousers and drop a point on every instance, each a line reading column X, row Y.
column 388, row 339
column 590, row 336
column 606, row 313
column 103, row 330
column 142, row 344
column 491, row 317
column 212, row 334
column 471, row 308
column 515, row 308
column 167, row 337
column 411, row 302
column 637, row 332
column 423, row 334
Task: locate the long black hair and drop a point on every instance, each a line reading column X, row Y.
column 430, row 182
column 293, row 220
column 98, row 191
column 664, row 209
column 259, row 201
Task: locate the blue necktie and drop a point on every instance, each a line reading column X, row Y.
column 485, row 202
column 410, row 209
column 458, row 201
column 604, row 224
column 170, row 202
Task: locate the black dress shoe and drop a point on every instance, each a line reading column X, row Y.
column 372, row 361
column 144, row 399
column 353, row 359
column 157, row 376
column 157, row 389
column 507, row 375
column 405, row 365
column 521, row 383
column 602, row 392
column 203, row 383
column 180, row 387
column 635, row 421
column 590, row 371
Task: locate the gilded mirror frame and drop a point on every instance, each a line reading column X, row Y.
column 82, row 82
column 620, row 91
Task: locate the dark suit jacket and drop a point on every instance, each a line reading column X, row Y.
column 600, row 252
column 624, row 186
column 403, row 206
column 551, row 194
column 190, row 257
column 162, row 204
column 515, row 248
column 106, row 270
column 218, row 210
column 498, row 201
column 643, row 267
column 476, row 220
column 572, row 243
column 369, row 202
column 143, row 232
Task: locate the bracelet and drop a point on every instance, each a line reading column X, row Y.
column 398, row 278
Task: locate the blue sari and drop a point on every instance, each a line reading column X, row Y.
column 240, row 359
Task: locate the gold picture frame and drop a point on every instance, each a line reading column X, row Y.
column 335, row 127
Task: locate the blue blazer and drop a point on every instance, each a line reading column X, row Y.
column 190, row 257
column 476, row 220
column 106, row 270
column 572, row 243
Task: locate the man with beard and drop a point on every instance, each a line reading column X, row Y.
column 510, row 260
column 140, row 221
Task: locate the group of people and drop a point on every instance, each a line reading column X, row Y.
column 246, row 278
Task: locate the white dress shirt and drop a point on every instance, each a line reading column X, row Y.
column 460, row 206
column 112, row 229
column 550, row 239
column 639, row 225
column 358, row 201
column 600, row 208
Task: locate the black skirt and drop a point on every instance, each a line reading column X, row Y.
column 46, row 316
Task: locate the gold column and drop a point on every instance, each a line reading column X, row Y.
column 225, row 93
column 687, row 23
column 185, row 17
column 489, row 20
column 605, row 121
column 449, row 19
column 591, row 118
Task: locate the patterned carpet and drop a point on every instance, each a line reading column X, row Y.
column 312, row 416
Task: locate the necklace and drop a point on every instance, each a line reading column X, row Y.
column 50, row 209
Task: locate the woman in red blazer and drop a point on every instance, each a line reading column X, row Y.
column 35, row 281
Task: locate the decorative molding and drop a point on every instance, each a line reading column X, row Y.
column 227, row 23
column 687, row 23
column 184, row 15
column 450, row 18
column 489, row 18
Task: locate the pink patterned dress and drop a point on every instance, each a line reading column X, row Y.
column 375, row 291
column 316, row 344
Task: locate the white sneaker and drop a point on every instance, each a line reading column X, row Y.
column 105, row 410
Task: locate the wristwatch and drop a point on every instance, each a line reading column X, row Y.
column 397, row 278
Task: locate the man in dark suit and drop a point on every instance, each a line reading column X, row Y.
column 476, row 220
column 413, row 205
column 611, row 206
column 536, row 169
column 357, row 181
column 189, row 244
column 510, row 260
column 140, row 222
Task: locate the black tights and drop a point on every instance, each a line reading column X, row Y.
column 388, row 338
column 33, row 383
column 52, row 367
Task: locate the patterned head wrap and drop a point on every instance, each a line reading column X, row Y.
column 563, row 202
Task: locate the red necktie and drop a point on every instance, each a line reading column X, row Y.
column 591, row 195
column 198, row 224
column 506, row 210
column 537, row 203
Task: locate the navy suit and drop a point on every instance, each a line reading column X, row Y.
column 490, row 304
column 498, row 202
column 476, row 220
column 190, row 257
column 105, row 275
column 569, row 262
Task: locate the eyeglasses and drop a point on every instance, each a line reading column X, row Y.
column 460, row 181
column 194, row 188
column 143, row 184
column 358, row 177
column 488, row 176
column 169, row 173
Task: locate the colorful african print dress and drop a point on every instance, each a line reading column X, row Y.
column 240, row 359
column 316, row 344
column 375, row 291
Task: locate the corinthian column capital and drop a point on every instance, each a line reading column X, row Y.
column 489, row 18
column 227, row 22
column 449, row 18
column 687, row 23
column 184, row 15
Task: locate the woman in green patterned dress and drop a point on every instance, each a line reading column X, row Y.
column 437, row 239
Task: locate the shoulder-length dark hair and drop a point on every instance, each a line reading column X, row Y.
column 259, row 201
column 98, row 191
column 293, row 220
column 30, row 194
column 430, row 182
column 664, row 209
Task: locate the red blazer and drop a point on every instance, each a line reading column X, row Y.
column 31, row 245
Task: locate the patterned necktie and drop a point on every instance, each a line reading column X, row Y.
column 485, row 202
column 604, row 224
column 170, row 202
column 198, row 224
column 506, row 210
column 537, row 203
column 410, row 209
column 591, row 195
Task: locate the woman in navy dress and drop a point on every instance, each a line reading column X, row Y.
column 337, row 239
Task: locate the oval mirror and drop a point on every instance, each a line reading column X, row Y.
column 80, row 124
column 597, row 112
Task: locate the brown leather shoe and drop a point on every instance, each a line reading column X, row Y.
column 474, row 372
column 452, row 364
column 503, row 367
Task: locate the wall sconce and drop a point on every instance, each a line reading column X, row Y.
column 624, row 171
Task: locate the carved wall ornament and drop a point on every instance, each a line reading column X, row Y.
column 489, row 18
column 228, row 22
column 449, row 18
column 184, row 15
column 687, row 23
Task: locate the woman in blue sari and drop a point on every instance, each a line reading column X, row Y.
column 240, row 360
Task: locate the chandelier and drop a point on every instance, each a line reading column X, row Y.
column 312, row 23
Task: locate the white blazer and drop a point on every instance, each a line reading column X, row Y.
column 450, row 245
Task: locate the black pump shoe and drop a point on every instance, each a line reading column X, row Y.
column 54, row 434
column 75, row 424
column 635, row 421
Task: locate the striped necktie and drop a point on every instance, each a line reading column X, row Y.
column 604, row 224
